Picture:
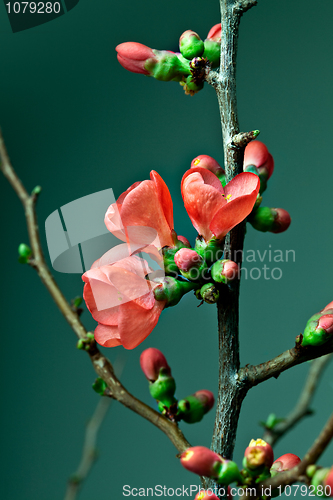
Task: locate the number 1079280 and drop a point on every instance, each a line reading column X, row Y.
column 304, row 490
column 33, row 7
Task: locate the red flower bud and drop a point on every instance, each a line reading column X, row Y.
column 326, row 323
column 284, row 463
column 256, row 153
column 258, row 453
column 186, row 258
column 133, row 56
column 224, row 271
column 209, row 163
column 151, row 362
column 329, row 307
column 205, row 495
column 184, row 240
column 206, row 398
column 282, row 220
column 215, row 33
column 329, row 481
column 201, row 461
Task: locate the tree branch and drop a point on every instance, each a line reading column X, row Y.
column 253, row 375
column 302, row 407
column 101, row 364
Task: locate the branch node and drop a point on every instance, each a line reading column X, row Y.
column 242, row 139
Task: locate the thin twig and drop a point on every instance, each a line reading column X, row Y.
column 101, row 364
column 89, row 452
column 302, row 407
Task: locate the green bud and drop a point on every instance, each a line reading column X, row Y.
column 263, row 219
column 36, row 191
column 212, row 52
column 77, row 302
column 229, row 473
column 209, row 293
column 191, row 409
column 172, row 290
column 191, row 45
column 163, row 389
column 99, row 386
column 210, row 251
column 169, row 67
column 24, row 251
column 318, row 479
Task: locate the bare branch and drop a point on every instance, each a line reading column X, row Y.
column 101, row 364
column 89, row 452
column 244, row 5
column 254, row 375
column 302, row 407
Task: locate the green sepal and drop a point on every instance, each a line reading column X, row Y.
column 170, row 267
column 212, row 52
column 263, row 219
column 210, row 251
column 209, row 293
column 191, row 410
column 99, row 386
column 172, row 290
column 217, row 270
column 313, row 337
column 253, row 472
column 162, row 406
column 190, row 85
column 163, row 389
column 191, row 46
column 169, row 67
column 229, row 473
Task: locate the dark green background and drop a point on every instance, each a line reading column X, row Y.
column 76, row 122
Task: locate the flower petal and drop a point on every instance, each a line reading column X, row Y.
column 202, row 194
column 131, row 287
column 101, row 298
column 107, row 336
column 243, row 184
column 136, row 323
column 232, row 214
column 164, row 197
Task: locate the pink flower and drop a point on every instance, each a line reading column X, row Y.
column 122, row 301
column 143, row 213
column 215, row 33
column 285, row 462
column 151, row 362
column 215, row 210
column 133, row 56
column 256, row 153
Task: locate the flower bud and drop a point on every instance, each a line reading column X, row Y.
column 25, row 253
column 194, row 407
column 171, row 290
column 319, row 328
column 215, row 33
column 190, row 263
column 191, row 45
column 258, row 454
column 191, row 87
column 170, row 267
column 184, row 241
column 209, row 293
column 202, row 461
column 256, row 153
column 284, row 463
column 224, row 271
column 209, row 163
column 208, row 495
column 134, row 56
column 275, row 220
column 329, row 482
column 160, row 64
column 152, row 361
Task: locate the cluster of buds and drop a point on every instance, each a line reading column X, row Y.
column 205, row 462
column 322, row 480
column 187, row 66
column 319, row 328
column 162, row 387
